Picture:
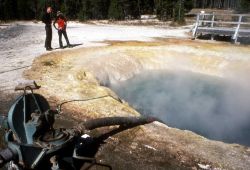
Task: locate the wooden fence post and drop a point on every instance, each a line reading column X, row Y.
column 235, row 36
column 212, row 25
column 196, row 26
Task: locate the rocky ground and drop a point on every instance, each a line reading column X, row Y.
column 21, row 42
column 82, row 73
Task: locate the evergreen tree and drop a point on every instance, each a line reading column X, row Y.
column 175, row 10
column 131, row 8
column 2, row 15
column 85, row 12
column 115, row 10
column 220, row 4
column 188, row 5
column 99, row 9
column 180, row 8
column 165, row 9
column 9, row 9
column 71, row 8
column 244, row 6
column 178, row 11
column 147, row 6
column 94, row 9
column 25, row 9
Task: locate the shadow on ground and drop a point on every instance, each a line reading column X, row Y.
column 241, row 40
column 71, row 46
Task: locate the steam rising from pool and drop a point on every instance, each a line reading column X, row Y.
column 215, row 108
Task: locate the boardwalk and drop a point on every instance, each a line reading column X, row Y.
column 234, row 25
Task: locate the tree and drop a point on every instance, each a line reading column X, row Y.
column 220, row 4
column 115, row 10
column 165, row 9
column 9, row 9
column 99, row 9
column 131, row 8
column 27, row 9
column 147, row 6
column 85, row 13
column 71, row 8
column 94, row 9
column 244, row 6
column 178, row 11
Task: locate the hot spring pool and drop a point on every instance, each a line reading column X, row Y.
column 216, row 108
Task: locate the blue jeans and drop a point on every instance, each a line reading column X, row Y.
column 64, row 33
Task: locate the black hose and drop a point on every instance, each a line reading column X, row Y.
column 122, row 121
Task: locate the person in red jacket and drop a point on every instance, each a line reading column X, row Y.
column 61, row 27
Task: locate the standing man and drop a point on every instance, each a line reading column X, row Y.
column 61, row 28
column 47, row 20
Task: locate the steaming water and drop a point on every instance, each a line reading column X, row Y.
column 215, row 108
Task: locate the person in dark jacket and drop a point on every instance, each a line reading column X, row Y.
column 61, row 28
column 47, row 20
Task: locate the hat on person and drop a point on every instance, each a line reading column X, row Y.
column 58, row 13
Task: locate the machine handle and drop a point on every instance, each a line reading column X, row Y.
column 6, row 155
column 24, row 86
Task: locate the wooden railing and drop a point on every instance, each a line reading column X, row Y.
column 233, row 25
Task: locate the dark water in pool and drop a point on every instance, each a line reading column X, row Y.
column 215, row 108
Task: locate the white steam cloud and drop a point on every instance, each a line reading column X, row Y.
column 216, row 108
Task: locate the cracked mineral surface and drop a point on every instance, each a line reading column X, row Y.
column 82, row 73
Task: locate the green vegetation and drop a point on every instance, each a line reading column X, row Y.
column 113, row 9
column 245, row 6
